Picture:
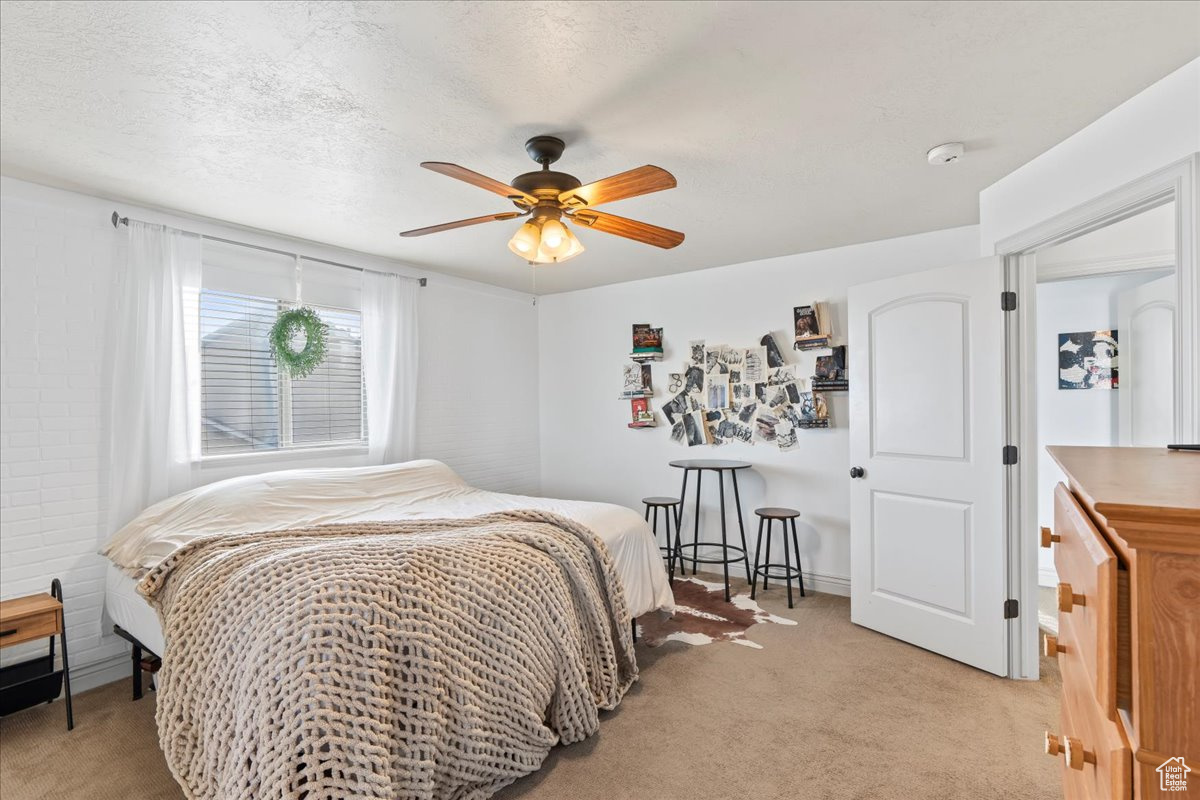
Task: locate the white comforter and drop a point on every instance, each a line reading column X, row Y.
column 412, row 490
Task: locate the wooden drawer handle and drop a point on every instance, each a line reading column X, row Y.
column 1067, row 599
column 8, row 632
column 1076, row 755
column 1051, row 647
column 1052, row 745
column 1049, row 538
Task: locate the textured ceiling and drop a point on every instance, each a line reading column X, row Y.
column 791, row 127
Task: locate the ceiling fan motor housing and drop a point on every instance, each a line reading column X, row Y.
column 545, row 184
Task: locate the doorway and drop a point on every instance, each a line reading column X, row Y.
column 1030, row 262
column 1104, row 351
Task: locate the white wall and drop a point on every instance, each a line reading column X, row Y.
column 1156, row 127
column 477, row 404
column 587, row 452
column 1064, row 416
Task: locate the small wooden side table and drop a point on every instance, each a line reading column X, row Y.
column 27, row 619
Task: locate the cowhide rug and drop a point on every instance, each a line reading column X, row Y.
column 702, row 617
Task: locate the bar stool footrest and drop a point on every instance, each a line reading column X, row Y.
column 786, row 574
column 740, row 553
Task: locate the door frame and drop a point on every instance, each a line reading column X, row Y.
column 1177, row 182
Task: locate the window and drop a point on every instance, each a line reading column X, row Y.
column 248, row 404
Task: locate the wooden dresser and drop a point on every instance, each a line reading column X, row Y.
column 1126, row 542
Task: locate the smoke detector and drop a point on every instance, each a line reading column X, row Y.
column 946, row 153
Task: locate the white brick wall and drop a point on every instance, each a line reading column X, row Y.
column 56, row 268
column 478, row 398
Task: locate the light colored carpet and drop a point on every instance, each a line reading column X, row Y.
column 826, row 710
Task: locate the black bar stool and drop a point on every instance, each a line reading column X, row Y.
column 667, row 504
column 785, row 516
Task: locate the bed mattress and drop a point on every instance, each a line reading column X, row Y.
column 128, row 609
column 295, row 498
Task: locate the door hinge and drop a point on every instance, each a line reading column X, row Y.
column 1011, row 609
column 1008, row 301
column 1010, row 455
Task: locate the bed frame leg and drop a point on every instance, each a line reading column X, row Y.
column 136, row 653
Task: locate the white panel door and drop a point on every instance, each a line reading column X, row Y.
column 1146, row 364
column 926, row 439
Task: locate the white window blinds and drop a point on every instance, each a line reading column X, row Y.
column 249, row 404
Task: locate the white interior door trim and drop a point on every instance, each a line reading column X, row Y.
column 1176, row 182
column 1089, row 268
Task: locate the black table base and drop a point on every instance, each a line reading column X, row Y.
column 730, row 554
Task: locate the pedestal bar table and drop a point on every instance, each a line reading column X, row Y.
column 719, row 466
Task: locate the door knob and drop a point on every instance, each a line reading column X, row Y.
column 857, row 472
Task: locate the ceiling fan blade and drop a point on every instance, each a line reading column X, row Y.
column 642, row 180
column 462, row 223
column 629, row 228
column 482, row 181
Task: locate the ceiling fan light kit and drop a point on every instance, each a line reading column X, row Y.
column 551, row 199
column 537, row 245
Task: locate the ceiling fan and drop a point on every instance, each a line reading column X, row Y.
column 551, row 198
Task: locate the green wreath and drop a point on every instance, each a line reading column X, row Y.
column 303, row 362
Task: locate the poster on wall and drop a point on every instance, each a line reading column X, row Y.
column 774, row 355
column 1087, row 360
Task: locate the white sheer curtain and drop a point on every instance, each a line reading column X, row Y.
column 389, row 332
column 155, row 425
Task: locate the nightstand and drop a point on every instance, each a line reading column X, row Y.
column 27, row 619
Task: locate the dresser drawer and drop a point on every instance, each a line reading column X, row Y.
column 1096, row 760
column 1087, row 598
column 27, row 628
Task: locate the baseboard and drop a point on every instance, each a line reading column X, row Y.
column 826, row 584
column 829, row 584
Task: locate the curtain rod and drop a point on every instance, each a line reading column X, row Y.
column 117, row 219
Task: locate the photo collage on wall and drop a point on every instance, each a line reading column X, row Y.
column 723, row 394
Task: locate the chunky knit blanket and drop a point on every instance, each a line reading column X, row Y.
column 417, row 659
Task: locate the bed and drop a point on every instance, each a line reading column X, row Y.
column 367, row 501
column 424, row 489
